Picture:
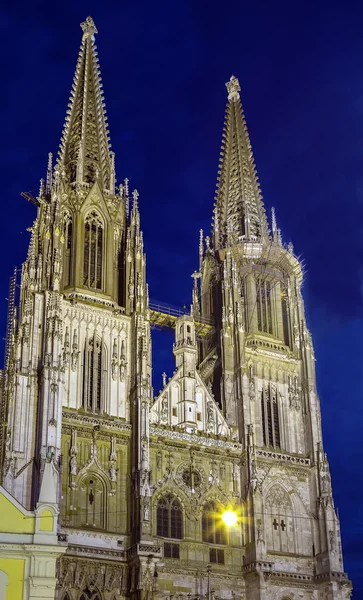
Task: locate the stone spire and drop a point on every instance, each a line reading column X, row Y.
column 239, row 211
column 84, row 154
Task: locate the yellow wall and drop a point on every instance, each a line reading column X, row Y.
column 46, row 521
column 12, row 519
column 14, row 568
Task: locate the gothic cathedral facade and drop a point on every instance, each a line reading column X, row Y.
column 142, row 483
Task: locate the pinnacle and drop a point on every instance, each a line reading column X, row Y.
column 88, row 27
column 233, row 88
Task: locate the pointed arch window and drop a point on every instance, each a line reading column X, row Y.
column 280, row 521
column 91, row 509
column 285, row 315
column 169, row 518
column 93, row 251
column 264, row 305
column 213, row 528
column 68, row 242
column 93, row 358
column 270, row 417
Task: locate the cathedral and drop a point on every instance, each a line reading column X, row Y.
column 216, row 488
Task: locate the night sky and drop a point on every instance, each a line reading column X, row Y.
column 164, row 65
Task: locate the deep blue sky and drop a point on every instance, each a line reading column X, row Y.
column 164, row 65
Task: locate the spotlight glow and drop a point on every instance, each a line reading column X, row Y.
column 229, row 518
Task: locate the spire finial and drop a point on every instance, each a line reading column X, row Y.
column 233, row 88
column 89, row 28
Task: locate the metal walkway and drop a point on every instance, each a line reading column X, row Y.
column 166, row 316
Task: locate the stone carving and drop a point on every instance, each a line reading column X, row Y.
column 252, row 390
column 75, row 352
column 210, row 416
column 79, row 574
column 73, row 452
column 164, row 409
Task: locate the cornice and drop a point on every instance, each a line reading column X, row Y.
column 199, row 440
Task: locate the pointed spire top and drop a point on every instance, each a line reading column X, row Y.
column 89, row 28
column 239, row 213
column 233, row 88
column 84, row 154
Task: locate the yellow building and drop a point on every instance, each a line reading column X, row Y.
column 29, row 545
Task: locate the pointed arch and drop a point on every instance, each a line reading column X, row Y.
column 264, row 305
column 90, row 594
column 213, row 529
column 92, row 501
column 68, row 247
column 169, row 517
column 280, row 520
column 270, row 417
column 93, row 251
column 94, row 358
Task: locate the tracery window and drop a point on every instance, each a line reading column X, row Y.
column 270, row 417
column 280, row 528
column 264, row 305
column 68, row 241
column 169, row 518
column 92, row 375
column 213, row 529
column 93, row 251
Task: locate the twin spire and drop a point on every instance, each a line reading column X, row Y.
column 239, row 213
column 84, row 154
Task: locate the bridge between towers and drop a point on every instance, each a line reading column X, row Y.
column 162, row 316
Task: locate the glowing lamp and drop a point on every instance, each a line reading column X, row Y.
column 229, row 518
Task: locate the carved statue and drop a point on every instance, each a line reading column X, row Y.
column 164, row 408
column 210, row 416
column 113, row 473
column 252, row 390
column 73, row 465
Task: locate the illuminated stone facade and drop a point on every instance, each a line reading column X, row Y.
column 143, row 481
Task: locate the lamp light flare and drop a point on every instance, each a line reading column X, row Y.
column 229, row 518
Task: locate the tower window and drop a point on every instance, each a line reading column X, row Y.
column 92, row 375
column 270, row 417
column 213, row 528
column 169, row 522
column 264, row 308
column 285, row 317
column 68, row 240
column 93, row 251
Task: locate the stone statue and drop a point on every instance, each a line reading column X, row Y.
column 73, row 465
column 113, row 474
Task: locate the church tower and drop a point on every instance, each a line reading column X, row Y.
column 218, row 486
column 78, row 374
column 263, row 379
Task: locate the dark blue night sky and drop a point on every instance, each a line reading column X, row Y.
column 164, row 65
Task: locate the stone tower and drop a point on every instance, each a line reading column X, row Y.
column 144, row 481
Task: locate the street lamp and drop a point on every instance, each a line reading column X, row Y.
column 229, row 518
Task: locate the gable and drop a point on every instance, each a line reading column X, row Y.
column 188, row 401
